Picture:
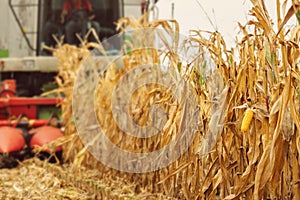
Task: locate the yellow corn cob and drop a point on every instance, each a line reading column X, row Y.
column 247, row 120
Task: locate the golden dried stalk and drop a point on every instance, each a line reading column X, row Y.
column 221, row 161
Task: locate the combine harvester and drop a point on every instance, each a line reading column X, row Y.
column 26, row 68
column 26, row 119
column 23, row 126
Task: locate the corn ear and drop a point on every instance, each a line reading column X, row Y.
column 247, row 120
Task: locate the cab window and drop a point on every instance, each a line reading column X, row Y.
column 106, row 13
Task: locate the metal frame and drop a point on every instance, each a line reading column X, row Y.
column 11, row 6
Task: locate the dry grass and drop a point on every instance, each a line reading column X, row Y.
column 36, row 179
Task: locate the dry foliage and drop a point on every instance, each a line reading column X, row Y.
column 36, row 179
column 223, row 162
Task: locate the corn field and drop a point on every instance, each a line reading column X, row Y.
column 247, row 142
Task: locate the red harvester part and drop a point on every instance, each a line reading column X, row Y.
column 24, row 112
column 8, row 88
column 9, row 84
column 43, row 135
column 11, row 139
column 16, row 106
column 29, row 123
column 11, row 105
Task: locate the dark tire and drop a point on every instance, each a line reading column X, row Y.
column 52, row 158
column 7, row 161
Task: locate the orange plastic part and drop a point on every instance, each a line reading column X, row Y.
column 43, row 135
column 11, row 139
